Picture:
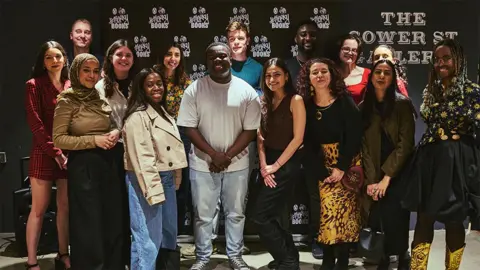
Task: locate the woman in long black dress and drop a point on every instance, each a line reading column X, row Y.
column 444, row 170
column 388, row 142
column 333, row 142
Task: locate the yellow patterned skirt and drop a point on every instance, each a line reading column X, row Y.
column 339, row 207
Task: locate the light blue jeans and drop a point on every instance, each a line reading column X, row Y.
column 152, row 226
column 254, row 164
column 207, row 189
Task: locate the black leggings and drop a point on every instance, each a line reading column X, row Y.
column 455, row 232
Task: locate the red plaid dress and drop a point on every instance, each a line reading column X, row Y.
column 40, row 101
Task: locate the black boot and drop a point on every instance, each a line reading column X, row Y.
column 384, row 263
column 404, row 261
column 272, row 265
column 328, row 262
column 342, row 252
column 168, row 259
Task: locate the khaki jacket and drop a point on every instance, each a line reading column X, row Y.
column 152, row 145
column 400, row 128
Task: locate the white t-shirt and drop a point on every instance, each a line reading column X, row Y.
column 220, row 112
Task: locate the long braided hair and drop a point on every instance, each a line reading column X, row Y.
column 433, row 92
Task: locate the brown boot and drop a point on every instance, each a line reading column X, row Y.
column 420, row 255
column 453, row 259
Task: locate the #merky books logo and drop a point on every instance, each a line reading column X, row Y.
column 184, row 44
column 199, row 18
column 294, row 50
column 280, row 19
column 159, row 20
column 240, row 15
column 119, row 19
column 198, row 71
column 321, row 18
column 142, row 46
column 221, row 38
column 300, row 214
column 261, row 47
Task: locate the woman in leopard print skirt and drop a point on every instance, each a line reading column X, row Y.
column 333, row 141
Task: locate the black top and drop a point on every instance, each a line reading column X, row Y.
column 341, row 122
column 123, row 85
column 280, row 126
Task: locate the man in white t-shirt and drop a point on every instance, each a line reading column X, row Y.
column 221, row 114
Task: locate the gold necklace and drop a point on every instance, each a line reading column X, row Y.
column 319, row 113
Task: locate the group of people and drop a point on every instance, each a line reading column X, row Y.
column 128, row 143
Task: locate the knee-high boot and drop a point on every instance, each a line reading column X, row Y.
column 420, row 255
column 453, row 259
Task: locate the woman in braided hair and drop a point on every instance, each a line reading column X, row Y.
column 443, row 173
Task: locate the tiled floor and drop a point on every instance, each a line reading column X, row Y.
column 259, row 259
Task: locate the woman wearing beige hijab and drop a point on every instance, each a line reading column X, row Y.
column 82, row 126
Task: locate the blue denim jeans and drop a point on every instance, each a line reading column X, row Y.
column 254, row 164
column 207, row 189
column 152, row 226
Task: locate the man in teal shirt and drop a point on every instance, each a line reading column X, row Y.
column 243, row 66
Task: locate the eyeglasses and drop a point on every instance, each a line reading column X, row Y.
column 347, row 50
column 444, row 59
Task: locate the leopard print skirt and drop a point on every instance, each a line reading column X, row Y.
column 340, row 208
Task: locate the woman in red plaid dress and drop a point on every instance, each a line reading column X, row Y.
column 47, row 163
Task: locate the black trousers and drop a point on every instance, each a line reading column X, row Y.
column 313, row 203
column 394, row 219
column 96, row 216
column 269, row 210
column 119, row 153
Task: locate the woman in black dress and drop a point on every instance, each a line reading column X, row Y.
column 443, row 173
column 332, row 142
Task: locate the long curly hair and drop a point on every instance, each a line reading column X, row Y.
column 267, row 98
column 305, row 88
column 180, row 76
column 38, row 68
column 138, row 100
column 108, row 69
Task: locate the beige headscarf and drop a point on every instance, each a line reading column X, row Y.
column 81, row 94
column 78, row 91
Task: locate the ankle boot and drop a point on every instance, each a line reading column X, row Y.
column 384, row 263
column 453, row 259
column 420, row 255
column 328, row 261
column 168, row 259
column 404, row 261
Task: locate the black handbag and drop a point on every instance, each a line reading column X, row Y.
column 372, row 242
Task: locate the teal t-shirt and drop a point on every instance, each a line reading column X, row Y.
column 249, row 71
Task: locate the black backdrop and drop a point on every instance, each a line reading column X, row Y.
column 25, row 24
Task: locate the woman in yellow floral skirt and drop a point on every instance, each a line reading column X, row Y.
column 333, row 141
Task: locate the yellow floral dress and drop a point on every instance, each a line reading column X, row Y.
column 175, row 95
